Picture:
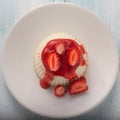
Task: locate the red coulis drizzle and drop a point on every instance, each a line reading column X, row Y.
column 64, row 68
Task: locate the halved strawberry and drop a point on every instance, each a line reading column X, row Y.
column 59, row 91
column 83, row 79
column 44, row 84
column 60, row 48
column 53, row 61
column 73, row 57
column 77, row 87
column 71, row 76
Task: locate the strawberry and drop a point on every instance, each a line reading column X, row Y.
column 73, row 57
column 53, row 61
column 59, row 91
column 60, row 48
column 44, row 84
column 83, row 79
column 71, row 76
column 77, row 86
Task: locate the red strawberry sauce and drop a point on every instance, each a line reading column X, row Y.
column 62, row 61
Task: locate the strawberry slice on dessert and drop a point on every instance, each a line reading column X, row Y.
column 78, row 86
column 44, row 84
column 71, row 76
column 73, row 57
column 53, row 61
column 82, row 79
column 59, row 91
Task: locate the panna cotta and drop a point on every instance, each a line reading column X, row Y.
column 60, row 60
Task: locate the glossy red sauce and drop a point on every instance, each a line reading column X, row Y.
column 63, row 61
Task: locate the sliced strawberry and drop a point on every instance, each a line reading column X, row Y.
column 71, row 76
column 53, row 61
column 83, row 79
column 77, row 87
column 59, row 91
column 73, row 57
column 44, row 84
column 60, row 48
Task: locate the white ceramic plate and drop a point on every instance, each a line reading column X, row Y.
column 18, row 53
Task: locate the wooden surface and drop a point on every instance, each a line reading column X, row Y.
column 109, row 13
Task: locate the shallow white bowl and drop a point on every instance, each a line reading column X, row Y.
column 22, row 41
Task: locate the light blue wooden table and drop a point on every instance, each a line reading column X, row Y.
column 109, row 13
